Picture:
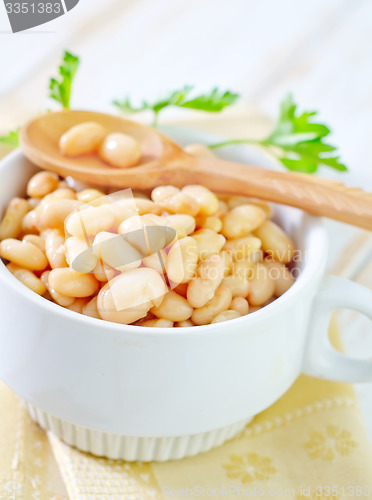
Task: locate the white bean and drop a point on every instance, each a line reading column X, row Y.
column 226, row 316
column 241, row 220
column 209, row 276
column 90, row 308
column 207, row 200
column 158, row 323
column 61, row 300
column 90, row 221
column 281, row 275
column 11, row 224
column 82, row 139
column 79, row 255
column 55, row 249
column 128, row 297
column 115, row 251
column 120, row 150
column 53, row 213
column 275, row 242
column 240, row 304
column 261, row 286
column 209, row 243
column 42, row 184
column 182, row 260
column 174, row 307
column 28, row 278
column 23, row 254
column 70, row 283
column 244, row 248
column 175, row 201
column 220, row 302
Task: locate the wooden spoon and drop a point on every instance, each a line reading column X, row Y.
column 165, row 162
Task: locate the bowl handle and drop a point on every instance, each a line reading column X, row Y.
column 321, row 358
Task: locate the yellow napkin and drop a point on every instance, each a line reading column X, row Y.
column 310, row 444
column 312, row 439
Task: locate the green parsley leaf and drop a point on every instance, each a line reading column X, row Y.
column 10, row 139
column 213, row 102
column 297, row 140
column 60, row 90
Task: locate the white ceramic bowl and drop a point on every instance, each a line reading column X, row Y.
column 139, row 393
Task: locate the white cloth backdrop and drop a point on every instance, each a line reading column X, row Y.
column 320, row 50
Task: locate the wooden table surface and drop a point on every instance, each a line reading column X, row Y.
column 319, row 50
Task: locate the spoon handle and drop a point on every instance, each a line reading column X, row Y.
column 315, row 195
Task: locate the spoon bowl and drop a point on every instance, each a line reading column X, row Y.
column 40, row 143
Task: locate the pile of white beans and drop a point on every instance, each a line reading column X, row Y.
column 229, row 258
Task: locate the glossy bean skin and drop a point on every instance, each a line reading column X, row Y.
column 238, row 284
column 90, row 221
column 244, row 248
column 242, row 220
column 78, row 305
column 79, row 255
column 261, row 286
column 120, row 150
column 70, row 283
column 183, row 224
column 103, row 272
column 210, row 273
column 212, row 222
column 59, row 299
column 158, row 323
column 175, row 201
column 184, row 324
column 11, row 224
column 281, row 275
column 182, row 260
column 23, row 254
column 82, row 139
column 240, row 305
column 220, row 302
column 90, row 195
column 35, row 240
column 275, row 242
column 31, row 222
column 174, row 307
column 60, row 194
column 157, row 261
column 42, row 184
column 208, row 201
column 28, row 278
column 55, row 249
column 116, row 252
column 226, row 316
column 209, row 243
column 90, row 309
column 128, row 297
column 53, row 213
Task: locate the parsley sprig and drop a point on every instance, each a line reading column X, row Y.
column 212, row 102
column 297, row 141
column 11, row 139
column 60, row 90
